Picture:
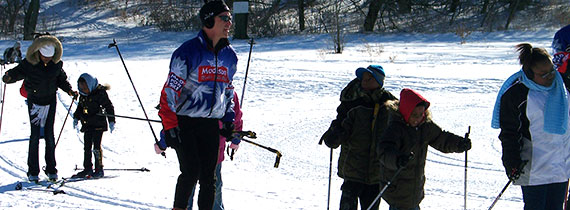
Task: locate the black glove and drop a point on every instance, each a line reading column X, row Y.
column 172, row 137
column 6, row 78
column 403, row 160
column 514, row 168
column 464, row 144
column 227, row 130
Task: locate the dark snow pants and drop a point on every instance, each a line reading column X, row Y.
column 92, row 139
column 33, row 150
column 197, row 156
column 352, row 191
column 544, row 197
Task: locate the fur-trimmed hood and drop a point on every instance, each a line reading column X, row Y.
column 32, row 54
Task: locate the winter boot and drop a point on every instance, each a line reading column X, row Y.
column 83, row 174
column 98, row 173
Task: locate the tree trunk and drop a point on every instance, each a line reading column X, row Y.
column 13, row 8
column 453, row 10
column 512, row 8
column 372, row 15
column 31, row 19
column 301, row 4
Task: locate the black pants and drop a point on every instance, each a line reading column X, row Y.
column 33, row 150
column 197, row 155
column 352, row 191
column 92, row 139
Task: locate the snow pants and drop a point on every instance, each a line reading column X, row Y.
column 33, row 150
column 92, row 139
column 197, row 156
column 353, row 191
column 218, row 204
column 544, row 197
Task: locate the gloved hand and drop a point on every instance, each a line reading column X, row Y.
column 172, row 137
column 235, row 142
column 464, row 144
column 111, row 126
column 403, row 160
column 514, row 168
column 227, row 130
column 73, row 94
column 6, row 78
column 160, row 147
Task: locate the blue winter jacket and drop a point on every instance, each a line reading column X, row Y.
column 199, row 83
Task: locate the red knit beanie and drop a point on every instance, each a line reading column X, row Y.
column 409, row 99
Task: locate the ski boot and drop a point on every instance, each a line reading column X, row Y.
column 52, row 177
column 84, row 174
column 98, row 173
column 35, row 179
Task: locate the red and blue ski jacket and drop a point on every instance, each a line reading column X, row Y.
column 199, row 82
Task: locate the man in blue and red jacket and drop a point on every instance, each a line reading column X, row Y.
column 197, row 94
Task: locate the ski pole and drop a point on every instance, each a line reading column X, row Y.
column 143, row 169
column 385, row 187
column 253, row 135
column 251, row 43
column 330, row 174
column 3, row 97
column 65, row 120
column 465, row 181
column 114, row 44
column 128, row 117
column 500, row 194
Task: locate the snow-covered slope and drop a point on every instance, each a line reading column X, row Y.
column 291, row 95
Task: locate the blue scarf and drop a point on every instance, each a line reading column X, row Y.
column 556, row 110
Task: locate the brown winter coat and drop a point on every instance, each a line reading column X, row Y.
column 407, row 190
column 357, row 134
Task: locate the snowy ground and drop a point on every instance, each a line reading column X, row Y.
column 291, row 95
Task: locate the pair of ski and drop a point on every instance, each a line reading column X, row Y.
column 48, row 186
column 52, row 186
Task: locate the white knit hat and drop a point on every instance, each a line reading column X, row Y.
column 47, row 50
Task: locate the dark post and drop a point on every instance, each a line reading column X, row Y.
column 240, row 10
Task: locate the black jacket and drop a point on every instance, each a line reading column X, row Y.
column 90, row 108
column 40, row 81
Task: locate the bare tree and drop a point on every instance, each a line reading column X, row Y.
column 31, row 19
column 12, row 11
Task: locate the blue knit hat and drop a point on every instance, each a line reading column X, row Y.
column 376, row 70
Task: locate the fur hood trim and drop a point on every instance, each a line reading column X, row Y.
column 32, row 54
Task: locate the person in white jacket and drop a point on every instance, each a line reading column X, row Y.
column 532, row 112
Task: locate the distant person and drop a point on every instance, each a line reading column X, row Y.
column 561, row 40
column 362, row 117
column 42, row 73
column 196, row 96
column 234, row 145
column 404, row 146
column 13, row 54
column 561, row 51
column 93, row 103
column 532, row 112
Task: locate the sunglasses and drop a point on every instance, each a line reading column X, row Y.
column 546, row 75
column 226, row 18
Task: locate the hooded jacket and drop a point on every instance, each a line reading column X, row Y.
column 92, row 104
column 41, row 80
column 199, row 82
column 407, row 190
column 362, row 118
